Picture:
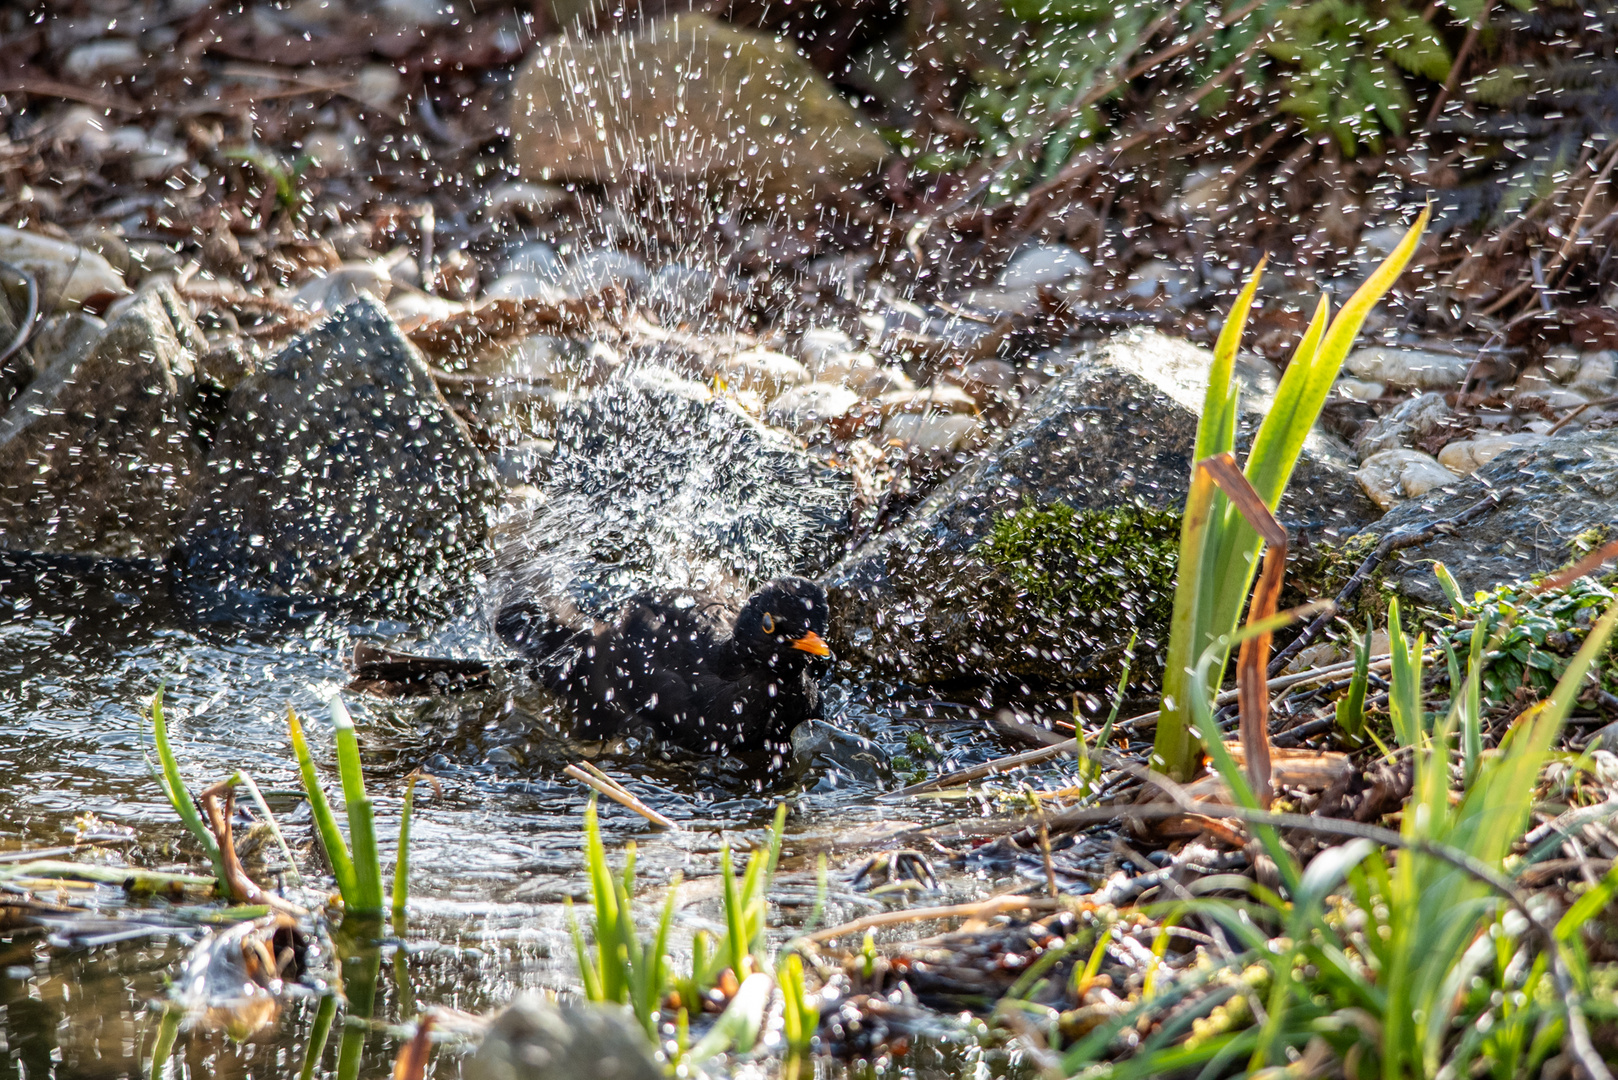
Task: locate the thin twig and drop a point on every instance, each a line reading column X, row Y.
column 997, row 905
column 615, row 791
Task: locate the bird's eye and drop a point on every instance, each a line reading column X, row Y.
column 769, row 623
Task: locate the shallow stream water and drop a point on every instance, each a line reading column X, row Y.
column 495, row 847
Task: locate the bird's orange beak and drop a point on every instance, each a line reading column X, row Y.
column 812, row 643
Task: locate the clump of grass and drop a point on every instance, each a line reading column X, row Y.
column 358, row 871
column 627, row 969
column 1219, row 547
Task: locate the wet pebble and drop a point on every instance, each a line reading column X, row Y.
column 863, row 373
column 377, row 86
column 937, row 398
column 1413, row 420
column 535, row 257
column 1043, row 264
column 1391, row 476
column 348, row 282
column 768, row 373
column 1159, row 277
column 68, row 273
column 523, row 287
column 1468, row 455
column 522, row 199
column 109, row 57
column 1358, row 389
column 819, row 344
column 945, row 433
column 1416, row 368
column 591, row 271
column 805, row 409
column 332, row 150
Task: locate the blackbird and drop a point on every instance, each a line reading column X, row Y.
column 700, row 673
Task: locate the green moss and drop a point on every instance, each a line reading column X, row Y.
column 1096, row 567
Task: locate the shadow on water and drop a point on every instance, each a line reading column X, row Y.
column 82, row 648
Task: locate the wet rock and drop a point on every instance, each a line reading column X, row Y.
column 1414, row 368
column 819, row 344
column 863, row 373
column 1159, row 277
column 1470, row 455
column 337, row 477
column 769, row 373
column 377, row 86
column 97, row 60
column 937, row 398
column 1115, row 431
column 97, row 455
column 804, row 410
column 683, row 290
column 705, row 100
column 336, row 151
column 1391, row 476
column 1415, row 419
column 1597, row 374
column 1043, row 264
column 1358, row 389
column 524, row 200
column 939, row 433
column 535, row 257
column 535, row 1040
column 64, row 271
column 1550, row 494
column 592, row 271
column 523, row 287
column 657, row 484
column 347, row 283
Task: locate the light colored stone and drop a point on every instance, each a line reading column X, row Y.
column 1358, row 389
column 377, row 86
column 97, row 60
column 997, row 301
column 1414, row 419
column 348, row 282
column 1597, row 375
column 535, row 257
column 66, row 272
column 414, row 13
column 805, row 409
column 333, row 150
column 1562, row 364
column 1416, row 368
column 819, row 344
column 1469, row 455
column 943, row 433
column 1536, row 394
column 523, row 287
column 940, row 397
column 412, row 304
column 535, row 202
column 1159, row 277
column 87, row 127
column 768, row 373
column 1043, row 264
column 1391, row 476
column 684, row 99
column 593, row 270
column 533, row 1039
column 863, row 373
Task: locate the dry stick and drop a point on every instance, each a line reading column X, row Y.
column 1396, row 541
column 1454, row 76
column 1587, row 565
column 1578, row 410
column 996, row 905
column 618, row 793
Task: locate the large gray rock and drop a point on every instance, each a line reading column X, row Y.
column 337, row 476
column 687, row 99
column 535, row 1040
column 1117, row 430
column 1550, row 494
column 97, row 455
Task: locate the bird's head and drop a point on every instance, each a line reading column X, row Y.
column 784, row 623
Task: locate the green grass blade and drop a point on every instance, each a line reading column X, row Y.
column 1351, row 709
column 173, row 785
column 1404, row 682
column 331, row 837
column 1174, row 747
column 1216, row 430
column 735, row 917
column 319, row 1031
column 587, row 968
column 401, row 861
column 366, row 854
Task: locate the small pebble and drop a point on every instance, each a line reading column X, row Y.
column 939, row 433
column 377, row 86
column 1470, row 455
column 768, row 373
column 523, row 287
column 103, row 59
column 1392, row 476
column 804, row 410
column 1043, row 264
column 520, row 198
column 1415, row 368
column 937, row 398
